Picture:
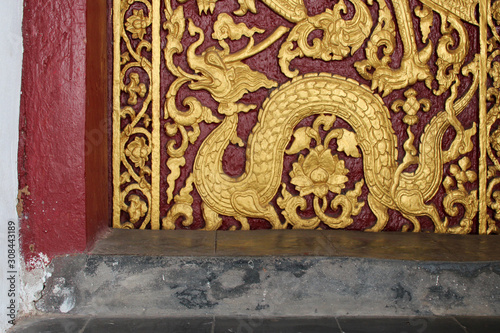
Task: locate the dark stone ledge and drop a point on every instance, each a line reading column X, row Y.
column 315, row 243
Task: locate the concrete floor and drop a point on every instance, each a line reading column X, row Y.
column 293, row 281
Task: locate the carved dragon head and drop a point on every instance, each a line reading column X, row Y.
column 221, row 73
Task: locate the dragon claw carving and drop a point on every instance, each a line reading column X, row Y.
column 414, row 64
column 412, row 69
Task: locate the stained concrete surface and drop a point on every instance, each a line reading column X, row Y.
column 268, row 286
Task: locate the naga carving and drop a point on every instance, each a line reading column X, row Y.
column 249, row 195
column 322, row 118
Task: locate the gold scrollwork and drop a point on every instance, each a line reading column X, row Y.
column 133, row 145
column 340, row 37
column 491, row 124
column 460, row 195
column 414, row 64
column 292, row 10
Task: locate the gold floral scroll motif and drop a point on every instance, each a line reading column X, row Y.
column 361, row 114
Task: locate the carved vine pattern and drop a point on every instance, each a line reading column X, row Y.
column 134, row 146
column 493, row 115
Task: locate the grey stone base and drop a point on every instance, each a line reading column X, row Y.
column 123, row 285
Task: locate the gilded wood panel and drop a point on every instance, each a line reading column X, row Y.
column 368, row 115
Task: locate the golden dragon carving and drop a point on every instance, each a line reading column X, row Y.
column 249, row 194
column 405, row 185
column 390, row 187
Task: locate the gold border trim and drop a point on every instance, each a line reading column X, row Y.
column 155, row 84
column 483, row 135
column 117, row 24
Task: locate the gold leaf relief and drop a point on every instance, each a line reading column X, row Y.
column 182, row 207
column 137, row 24
column 318, row 172
column 426, row 17
column 340, row 37
column 461, row 196
column 348, row 143
column 414, row 63
column 493, row 146
column 132, row 147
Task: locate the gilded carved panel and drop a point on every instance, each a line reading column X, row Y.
column 354, row 114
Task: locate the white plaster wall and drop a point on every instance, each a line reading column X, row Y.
column 11, row 54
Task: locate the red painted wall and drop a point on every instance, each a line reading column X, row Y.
column 52, row 151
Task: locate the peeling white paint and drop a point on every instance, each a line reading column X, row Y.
column 33, row 275
column 11, row 54
column 38, row 262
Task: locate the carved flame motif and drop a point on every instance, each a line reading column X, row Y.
column 347, row 156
